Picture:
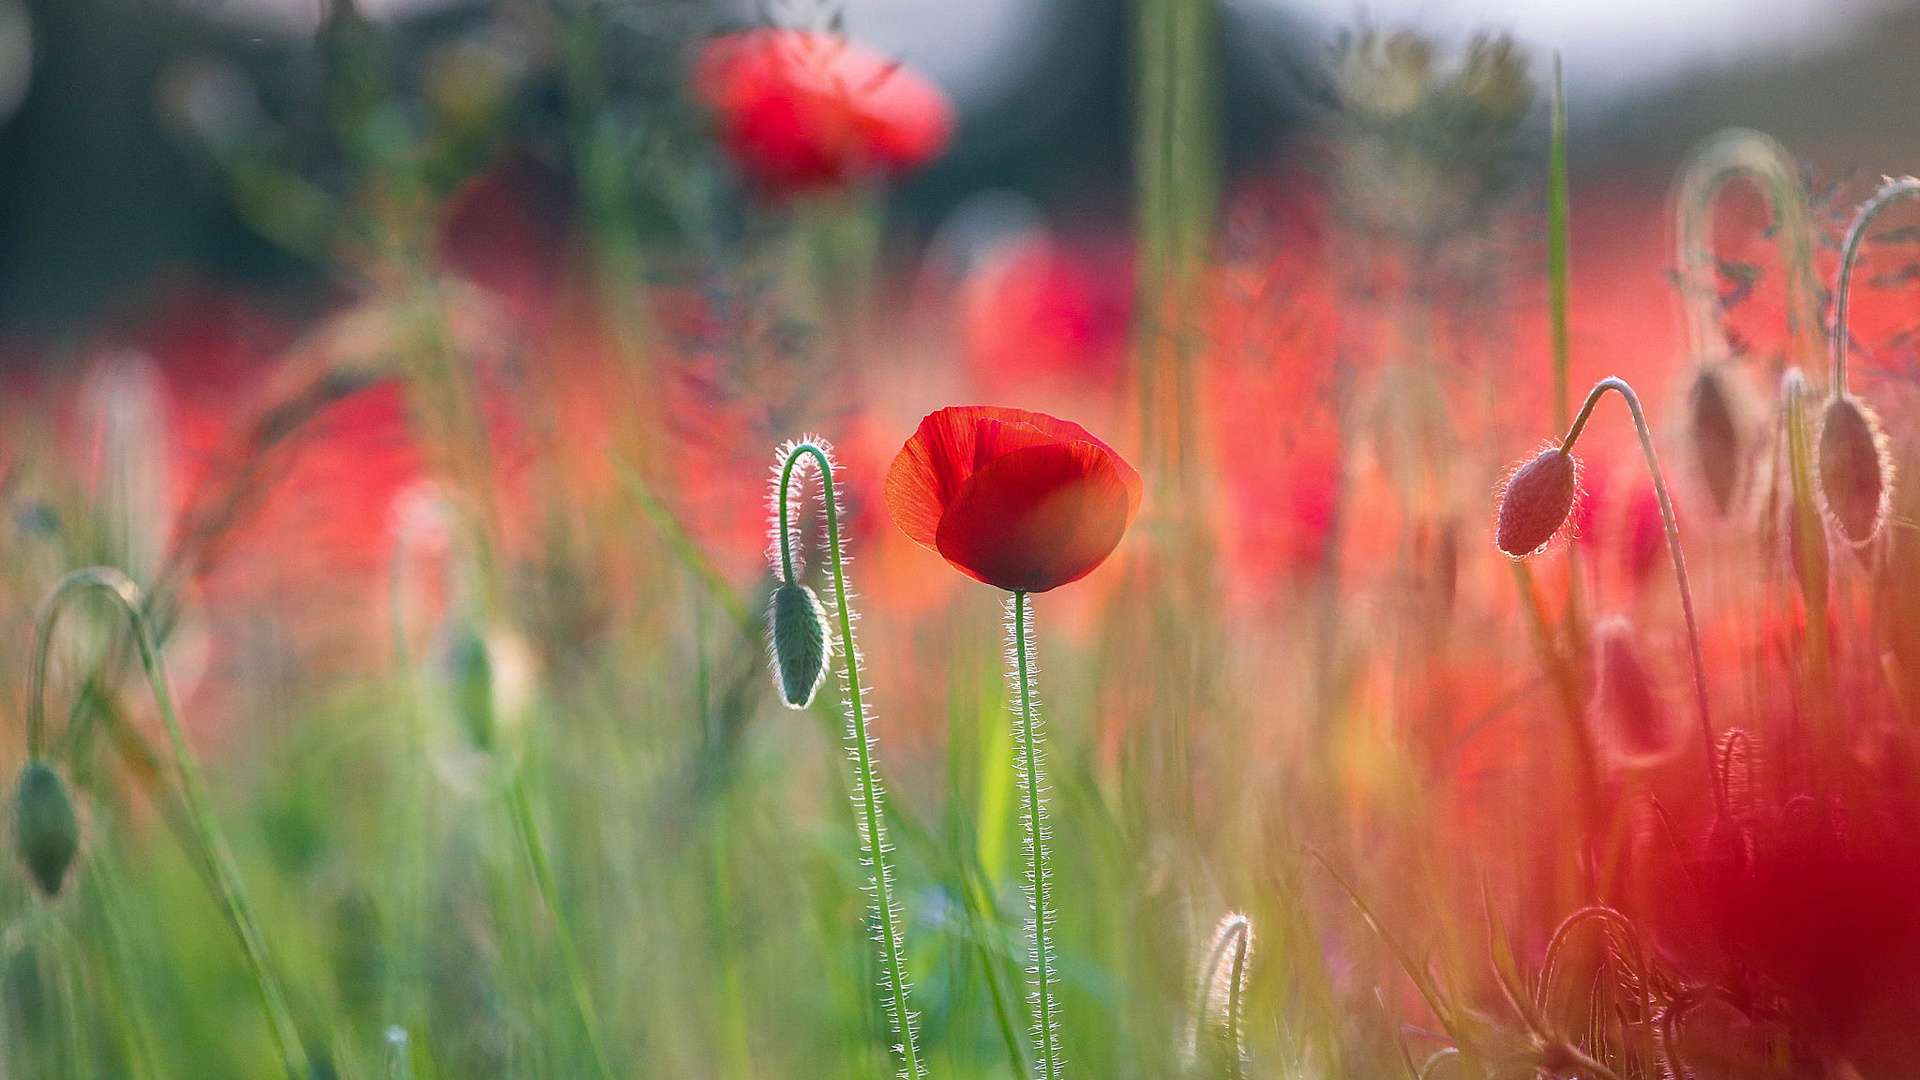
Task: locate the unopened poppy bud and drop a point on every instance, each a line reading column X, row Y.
column 45, row 826
column 1715, row 437
column 1536, row 501
column 800, row 648
column 1855, row 469
column 1633, row 718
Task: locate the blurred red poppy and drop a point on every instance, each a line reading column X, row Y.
column 1019, row 500
column 803, row 111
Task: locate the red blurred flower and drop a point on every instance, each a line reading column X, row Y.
column 1016, row 499
column 1042, row 308
column 800, row 110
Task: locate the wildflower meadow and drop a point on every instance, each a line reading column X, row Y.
column 616, row 539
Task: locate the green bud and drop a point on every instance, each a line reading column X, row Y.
column 800, row 647
column 45, row 826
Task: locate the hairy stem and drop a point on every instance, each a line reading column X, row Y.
column 204, row 835
column 1679, row 558
column 1046, row 1034
column 867, row 798
column 1890, row 192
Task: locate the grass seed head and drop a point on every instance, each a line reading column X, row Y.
column 1855, row 469
column 800, row 648
column 1537, row 502
column 46, row 826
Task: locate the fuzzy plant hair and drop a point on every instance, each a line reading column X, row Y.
column 1043, row 967
column 802, row 648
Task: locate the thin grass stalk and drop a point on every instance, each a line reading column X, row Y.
column 204, row 834
column 544, row 880
column 1039, row 879
column 1809, row 547
column 1672, row 527
column 867, row 796
column 1559, row 238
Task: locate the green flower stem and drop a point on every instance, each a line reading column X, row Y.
column 549, row 888
column 867, row 802
column 1672, row 526
column 204, row 835
column 1046, row 1034
column 1891, row 191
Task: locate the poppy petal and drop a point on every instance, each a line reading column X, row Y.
column 1038, row 517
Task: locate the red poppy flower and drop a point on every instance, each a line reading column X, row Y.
column 1019, row 500
column 801, row 111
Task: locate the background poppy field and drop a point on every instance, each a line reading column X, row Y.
column 415, row 370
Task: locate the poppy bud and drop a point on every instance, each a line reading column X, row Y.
column 1633, row 719
column 45, row 826
column 1716, row 437
column 1536, row 502
column 1854, row 469
column 800, row 648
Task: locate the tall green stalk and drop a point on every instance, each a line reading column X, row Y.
column 549, row 887
column 1033, row 816
column 204, row 836
column 867, row 799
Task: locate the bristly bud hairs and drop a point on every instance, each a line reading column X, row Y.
column 1536, row 502
column 801, row 646
column 1540, row 495
column 46, row 829
column 1216, row 1036
column 1856, row 471
column 799, row 643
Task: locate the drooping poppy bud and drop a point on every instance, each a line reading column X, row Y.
column 800, row 646
column 1633, row 720
column 1714, row 432
column 1855, row 469
column 1019, row 500
column 46, row 828
column 801, row 111
column 1536, row 501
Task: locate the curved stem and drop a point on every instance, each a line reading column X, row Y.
column 1046, row 1036
column 1672, row 527
column 562, row 930
column 1720, row 158
column 216, row 857
column 867, row 800
column 1890, row 192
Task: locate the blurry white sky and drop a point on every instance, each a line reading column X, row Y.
column 1610, row 46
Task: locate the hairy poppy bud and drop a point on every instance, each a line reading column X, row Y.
column 1855, row 469
column 1536, row 501
column 1716, row 437
column 1633, row 718
column 800, row 647
column 45, row 826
